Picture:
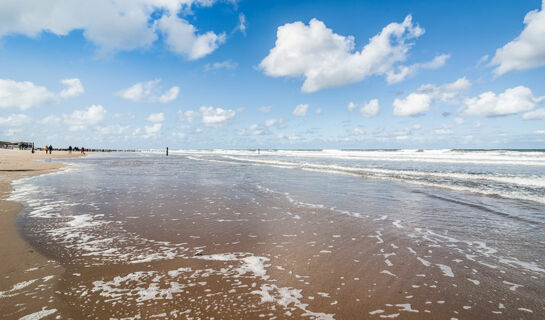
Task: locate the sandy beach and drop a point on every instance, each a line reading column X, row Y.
column 22, row 266
column 205, row 236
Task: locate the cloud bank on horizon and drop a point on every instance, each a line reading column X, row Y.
column 207, row 73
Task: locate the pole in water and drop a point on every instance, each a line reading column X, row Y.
column 167, row 151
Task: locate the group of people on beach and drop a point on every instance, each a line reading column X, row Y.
column 82, row 149
column 49, row 149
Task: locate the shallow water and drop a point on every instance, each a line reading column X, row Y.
column 312, row 234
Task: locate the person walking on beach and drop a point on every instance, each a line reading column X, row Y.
column 50, row 149
column 46, row 149
column 82, row 150
column 69, row 149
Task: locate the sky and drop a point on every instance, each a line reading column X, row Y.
column 239, row 74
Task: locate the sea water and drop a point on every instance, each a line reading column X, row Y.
column 266, row 227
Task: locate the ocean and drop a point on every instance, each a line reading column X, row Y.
column 318, row 234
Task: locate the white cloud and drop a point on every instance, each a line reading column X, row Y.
column 265, row 109
column 253, row 130
column 227, row 65
column 511, row 101
column 156, row 117
column 113, row 130
column 188, row 115
column 169, row 95
column 215, row 116
column 403, row 72
column 290, row 138
column 417, row 126
column 112, row 25
column 23, row 95
column 443, row 130
column 152, row 131
column 279, row 123
column 181, row 37
column 367, row 110
column 81, row 119
column 300, row 110
column 413, row 104
column 242, row 23
column 318, row 111
column 421, row 100
column 539, row 132
column 527, row 50
column 14, row 120
column 482, row 60
column 51, row 120
column 459, row 120
column 537, row 114
column 73, row 88
column 149, row 91
column 326, row 59
column 178, row 135
column 358, row 131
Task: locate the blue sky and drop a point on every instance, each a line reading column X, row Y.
column 273, row 74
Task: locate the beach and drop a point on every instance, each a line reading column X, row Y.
column 22, row 267
column 282, row 235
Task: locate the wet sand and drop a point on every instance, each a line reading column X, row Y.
column 22, row 267
column 209, row 242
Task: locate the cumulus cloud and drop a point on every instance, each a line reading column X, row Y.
column 227, row 65
column 459, row 120
column 152, row 131
column 421, row 100
column 73, row 88
column 279, row 123
column 367, row 110
column 358, row 131
column 326, row 59
column 81, row 119
column 169, row 95
column 156, row 117
column 403, row 72
column 300, row 110
column 527, row 50
column 181, row 38
column 113, row 130
column 112, row 25
column 14, row 120
column 511, row 101
column 443, row 130
column 25, row 94
column 216, row 116
column 51, row 121
column 537, row 114
column 253, row 130
column 149, row 91
column 188, row 115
